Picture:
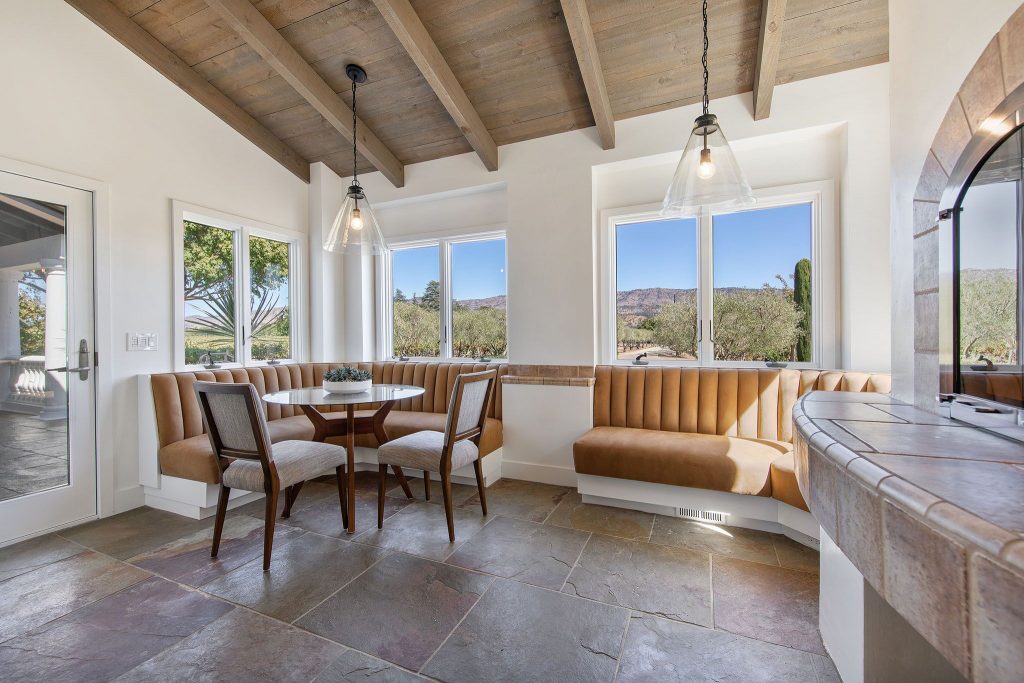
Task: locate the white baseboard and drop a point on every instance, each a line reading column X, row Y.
column 752, row 512
column 129, row 498
column 544, row 474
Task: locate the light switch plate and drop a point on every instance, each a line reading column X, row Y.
column 142, row 341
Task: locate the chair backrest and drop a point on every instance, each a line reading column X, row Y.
column 178, row 415
column 234, row 420
column 468, row 408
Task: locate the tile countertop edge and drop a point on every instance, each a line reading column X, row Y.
column 892, row 528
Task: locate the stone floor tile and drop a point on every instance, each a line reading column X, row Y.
column 400, row 610
column 769, row 603
column 671, row 582
column 521, row 499
column 36, row 597
column 422, row 529
column 658, row 650
column 324, row 517
column 460, row 492
column 134, row 532
column 826, row 669
column 187, row 559
column 522, row 633
column 354, row 666
column 793, row 555
column 527, row 552
column 312, row 492
column 110, row 636
column 241, row 646
column 302, row 574
column 728, row 541
column 572, row 512
column 37, row 552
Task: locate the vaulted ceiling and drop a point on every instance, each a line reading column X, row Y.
column 454, row 76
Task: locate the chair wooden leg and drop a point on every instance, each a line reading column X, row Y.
column 340, row 471
column 403, row 482
column 478, row 468
column 426, row 484
column 268, row 529
column 446, row 490
column 291, row 494
column 381, row 485
column 218, row 524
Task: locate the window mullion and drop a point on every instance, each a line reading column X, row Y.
column 705, row 288
column 243, row 323
column 444, row 270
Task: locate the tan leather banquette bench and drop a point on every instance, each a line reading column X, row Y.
column 710, row 428
column 185, row 449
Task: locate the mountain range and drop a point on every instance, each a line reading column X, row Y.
column 643, row 302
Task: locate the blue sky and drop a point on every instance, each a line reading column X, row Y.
column 750, row 247
column 478, row 269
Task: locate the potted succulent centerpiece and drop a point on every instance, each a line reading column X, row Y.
column 347, row 381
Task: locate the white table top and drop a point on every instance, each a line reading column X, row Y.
column 316, row 396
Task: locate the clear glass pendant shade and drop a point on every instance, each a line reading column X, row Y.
column 707, row 174
column 355, row 228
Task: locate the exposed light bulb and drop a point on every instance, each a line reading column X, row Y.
column 706, row 167
column 356, row 222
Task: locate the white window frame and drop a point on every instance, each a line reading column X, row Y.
column 385, row 287
column 243, row 229
column 824, row 275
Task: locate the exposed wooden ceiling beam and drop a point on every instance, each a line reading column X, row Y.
column 254, row 29
column 413, row 36
column 109, row 18
column 577, row 18
column 773, row 14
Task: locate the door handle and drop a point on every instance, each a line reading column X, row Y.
column 83, row 362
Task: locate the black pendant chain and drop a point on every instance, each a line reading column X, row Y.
column 355, row 170
column 704, row 59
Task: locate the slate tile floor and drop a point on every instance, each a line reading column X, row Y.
column 33, row 456
column 547, row 588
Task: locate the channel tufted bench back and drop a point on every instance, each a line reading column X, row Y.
column 754, row 403
column 177, row 410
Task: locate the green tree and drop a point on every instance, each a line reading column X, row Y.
column 416, row 330
column 675, row 327
column 755, row 324
column 399, row 295
column 431, row 298
column 478, row 333
column 32, row 316
column 210, row 288
column 988, row 316
column 802, row 299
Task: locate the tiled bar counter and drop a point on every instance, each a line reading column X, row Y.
column 929, row 513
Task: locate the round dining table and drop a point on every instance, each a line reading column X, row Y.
column 347, row 424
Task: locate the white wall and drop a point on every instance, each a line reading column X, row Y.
column 932, row 46
column 77, row 101
column 552, row 190
column 552, row 199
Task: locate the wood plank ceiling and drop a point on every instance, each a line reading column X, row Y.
column 514, row 60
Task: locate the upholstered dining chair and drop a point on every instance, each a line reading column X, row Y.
column 443, row 452
column 237, row 426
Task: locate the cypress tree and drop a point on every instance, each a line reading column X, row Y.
column 802, row 299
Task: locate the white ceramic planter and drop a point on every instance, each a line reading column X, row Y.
column 347, row 387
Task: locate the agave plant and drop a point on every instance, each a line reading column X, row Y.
column 346, row 375
column 219, row 319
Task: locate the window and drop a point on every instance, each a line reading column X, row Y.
column 762, row 296
column 742, row 288
column 236, row 290
column 450, row 284
column 656, row 289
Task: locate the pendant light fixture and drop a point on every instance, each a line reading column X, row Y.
column 707, row 174
column 355, row 228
